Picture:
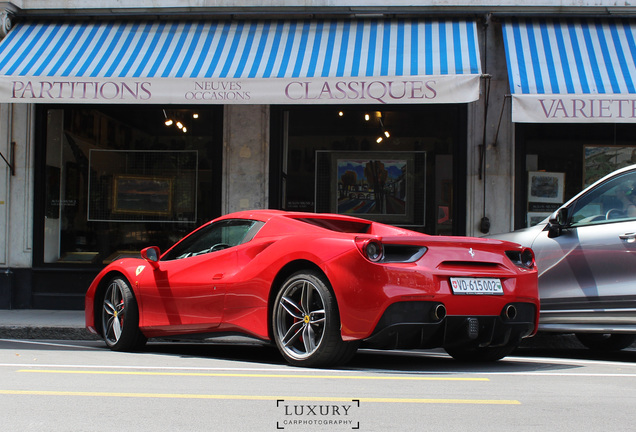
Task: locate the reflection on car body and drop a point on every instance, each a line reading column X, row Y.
column 319, row 286
column 586, row 255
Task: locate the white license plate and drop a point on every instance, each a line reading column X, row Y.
column 476, row 286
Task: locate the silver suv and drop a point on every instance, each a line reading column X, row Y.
column 586, row 256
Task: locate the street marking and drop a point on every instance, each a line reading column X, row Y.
column 252, row 375
column 345, row 373
column 260, row 397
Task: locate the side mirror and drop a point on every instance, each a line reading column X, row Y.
column 151, row 254
column 557, row 222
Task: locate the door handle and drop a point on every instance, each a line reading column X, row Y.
column 217, row 276
column 628, row 237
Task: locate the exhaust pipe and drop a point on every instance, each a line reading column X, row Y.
column 439, row 312
column 510, row 312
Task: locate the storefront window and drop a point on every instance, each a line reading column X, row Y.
column 398, row 165
column 557, row 161
column 117, row 179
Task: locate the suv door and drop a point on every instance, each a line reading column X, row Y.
column 591, row 265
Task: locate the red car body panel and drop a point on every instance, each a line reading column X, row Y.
column 231, row 290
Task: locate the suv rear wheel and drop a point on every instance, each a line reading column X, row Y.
column 606, row 341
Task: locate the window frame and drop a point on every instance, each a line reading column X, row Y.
column 608, row 189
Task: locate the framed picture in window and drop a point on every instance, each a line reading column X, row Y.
column 546, row 187
column 374, row 185
column 142, row 195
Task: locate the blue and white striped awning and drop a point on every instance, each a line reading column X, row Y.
column 579, row 70
column 244, row 50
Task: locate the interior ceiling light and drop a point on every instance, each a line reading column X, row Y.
column 367, row 117
column 379, row 140
column 340, row 113
column 195, row 115
column 169, row 121
column 386, row 134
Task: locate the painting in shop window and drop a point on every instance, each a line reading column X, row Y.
column 377, row 186
column 142, row 195
column 150, row 186
column 546, row 187
column 367, row 186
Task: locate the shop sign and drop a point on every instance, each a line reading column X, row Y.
column 260, row 91
column 557, row 108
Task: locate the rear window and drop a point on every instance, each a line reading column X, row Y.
column 339, row 225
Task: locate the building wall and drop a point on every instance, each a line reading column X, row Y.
column 16, row 205
column 17, row 211
column 245, row 157
column 490, row 177
column 5, row 178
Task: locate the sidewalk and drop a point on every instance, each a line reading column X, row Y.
column 43, row 324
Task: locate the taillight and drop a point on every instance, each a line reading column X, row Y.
column 527, row 258
column 523, row 258
column 371, row 249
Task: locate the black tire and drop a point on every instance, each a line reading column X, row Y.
column 306, row 323
column 480, row 354
column 120, row 317
column 606, row 341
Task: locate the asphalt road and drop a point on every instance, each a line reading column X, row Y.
column 82, row 386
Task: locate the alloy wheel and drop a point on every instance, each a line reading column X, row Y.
column 114, row 313
column 300, row 319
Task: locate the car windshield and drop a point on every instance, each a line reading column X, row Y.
column 214, row 237
column 613, row 200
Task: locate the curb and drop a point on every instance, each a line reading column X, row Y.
column 59, row 333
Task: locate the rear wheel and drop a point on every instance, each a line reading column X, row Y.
column 480, row 354
column 606, row 341
column 306, row 323
column 120, row 317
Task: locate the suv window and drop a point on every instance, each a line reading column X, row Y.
column 613, row 200
column 214, row 237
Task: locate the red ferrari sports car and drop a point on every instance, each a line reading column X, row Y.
column 319, row 286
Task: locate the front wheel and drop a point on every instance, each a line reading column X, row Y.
column 306, row 323
column 480, row 354
column 606, row 342
column 120, row 317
